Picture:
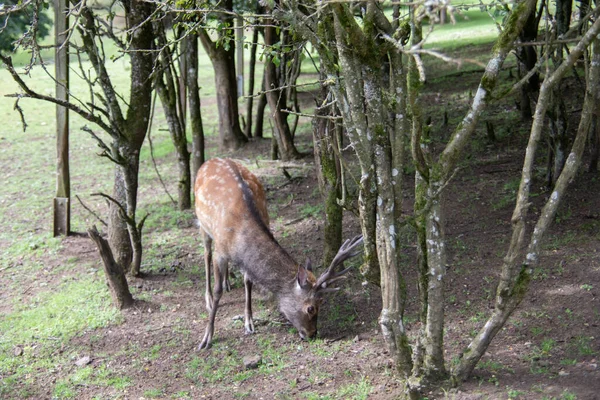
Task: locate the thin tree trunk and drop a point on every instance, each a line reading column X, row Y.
column 557, row 113
column 277, row 101
column 517, row 267
column 251, row 78
column 326, row 152
column 594, row 82
column 167, row 87
column 260, row 110
column 527, row 59
column 198, row 156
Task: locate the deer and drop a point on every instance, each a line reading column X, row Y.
column 232, row 215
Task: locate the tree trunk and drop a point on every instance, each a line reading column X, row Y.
column 167, row 87
column 526, row 60
column 558, row 138
column 118, row 234
column 223, row 59
column 277, row 101
column 115, row 276
column 251, row 78
column 260, row 110
column 326, row 153
column 198, row 156
column 594, row 82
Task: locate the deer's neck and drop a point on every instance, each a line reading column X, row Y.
column 264, row 261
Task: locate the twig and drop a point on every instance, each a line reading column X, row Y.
column 152, row 150
column 335, row 339
column 294, row 221
column 90, row 211
column 5, row 268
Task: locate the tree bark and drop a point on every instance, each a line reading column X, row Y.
column 277, row 100
column 558, row 134
column 527, row 59
column 198, row 156
column 260, row 110
column 326, row 151
column 222, row 56
column 251, row 79
column 166, row 82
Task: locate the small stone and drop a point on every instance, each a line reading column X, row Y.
column 251, row 362
column 356, row 339
column 590, row 366
column 563, row 373
column 18, row 351
column 83, row 361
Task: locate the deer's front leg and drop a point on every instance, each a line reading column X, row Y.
column 248, row 322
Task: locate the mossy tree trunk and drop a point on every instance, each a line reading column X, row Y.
column 327, row 159
column 251, row 80
column 369, row 94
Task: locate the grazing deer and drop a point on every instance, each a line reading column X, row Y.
column 232, row 212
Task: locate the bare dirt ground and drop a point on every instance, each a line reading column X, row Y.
column 548, row 349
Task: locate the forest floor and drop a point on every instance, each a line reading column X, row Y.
column 549, row 348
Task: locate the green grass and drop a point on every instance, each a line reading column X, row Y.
column 46, row 323
column 472, row 27
column 355, row 391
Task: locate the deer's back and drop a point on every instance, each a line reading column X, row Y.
column 230, row 200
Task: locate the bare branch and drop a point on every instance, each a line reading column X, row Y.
column 90, row 211
column 35, row 95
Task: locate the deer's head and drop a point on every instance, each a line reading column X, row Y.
column 301, row 303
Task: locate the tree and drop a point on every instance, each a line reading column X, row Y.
column 126, row 124
column 166, row 79
column 222, row 55
column 275, row 81
column 327, row 135
column 198, row 155
column 373, row 108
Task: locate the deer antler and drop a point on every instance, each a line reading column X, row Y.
column 346, row 251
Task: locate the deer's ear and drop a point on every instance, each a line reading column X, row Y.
column 302, row 277
column 308, row 265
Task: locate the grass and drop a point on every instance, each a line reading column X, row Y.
column 47, row 322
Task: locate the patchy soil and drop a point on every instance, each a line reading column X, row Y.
column 548, row 349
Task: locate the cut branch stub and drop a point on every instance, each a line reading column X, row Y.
column 115, row 276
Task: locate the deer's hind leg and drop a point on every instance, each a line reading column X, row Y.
column 208, row 296
column 218, row 269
